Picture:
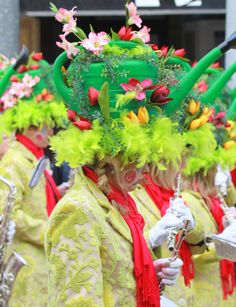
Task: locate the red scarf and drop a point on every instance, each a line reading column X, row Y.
column 226, row 266
column 51, row 190
column 161, row 198
column 147, row 293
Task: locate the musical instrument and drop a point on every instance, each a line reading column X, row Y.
column 228, row 215
column 171, row 240
column 10, row 268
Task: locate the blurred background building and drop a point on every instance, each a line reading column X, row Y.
column 197, row 25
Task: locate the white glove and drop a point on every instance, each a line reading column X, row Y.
column 222, row 180
column 179, row 209
column 159, row 232
column 229, row 233
column 165, row 302
column 167, row 271
column 63, row 188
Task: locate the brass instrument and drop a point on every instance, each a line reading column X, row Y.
column 171, row 240
column 10, row 268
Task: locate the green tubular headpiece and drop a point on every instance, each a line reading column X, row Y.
column 185, row 85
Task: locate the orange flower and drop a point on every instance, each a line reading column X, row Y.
column 45, row 95
column 193, row 106
column 143, row 116
column 228, row 144
column 133, row 117
column 195, row 124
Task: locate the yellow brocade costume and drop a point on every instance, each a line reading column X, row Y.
column 179, row 293
column 207, row 281
column 30, row 215
column 89, row 251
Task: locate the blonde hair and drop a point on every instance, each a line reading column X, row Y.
column 202, row 183
column 164, row 178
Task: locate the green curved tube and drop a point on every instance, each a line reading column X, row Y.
column 231, row 112
column 5, row 79
column 185, row 85
column 214, row 91
column 62, row 88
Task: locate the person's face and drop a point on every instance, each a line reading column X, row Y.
column 4, row 146
column 40, row 137
column 129, row 177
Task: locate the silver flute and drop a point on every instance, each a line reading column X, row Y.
column 8, row 268
column 171, row 239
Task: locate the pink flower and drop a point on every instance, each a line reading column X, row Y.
column 95, row 42
column 138, row 87
column 8, row 101
column 93, row 94
column 202, row 86
column 133, row 17
column 65, row 16
column 67, row 46
column 69, row 27
column 180, row 52
column 143, row 34
column 30, row 81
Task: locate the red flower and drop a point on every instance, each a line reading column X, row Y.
column 22, row 69
column 37, row 56
column 93, row 94
column 160, row 95
column 83, row 124
column 34, row 66
column 180, row 52
column 164, row 50
column 14, row 78
column 194, row 63
column 202, row 86
column 71, row 115
column 153, row 46
column 125, row 33
column 215, row 65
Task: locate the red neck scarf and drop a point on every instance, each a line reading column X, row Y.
column 161, row 198
column 51, row 190
column 233, row 176
column 147, row 294
column 226, row 266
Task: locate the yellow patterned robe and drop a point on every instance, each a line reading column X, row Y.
column 89, row 251
column 179, row 294
column 207, row 282
column 30, row 216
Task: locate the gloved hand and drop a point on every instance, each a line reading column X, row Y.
column 63, row 188
column 167, row 271
column 222, row 180
column 179, row 209
column 159, row 232
column 229, row 233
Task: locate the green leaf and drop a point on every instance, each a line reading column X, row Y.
column 80, row 33
column 53, row 7
column 104, row 101
column 114, row 36
column 91, row 28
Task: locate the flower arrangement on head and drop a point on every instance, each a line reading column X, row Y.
column 113, row 95
column 29, row 97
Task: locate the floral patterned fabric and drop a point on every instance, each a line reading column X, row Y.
column 30, row 215
column 207, row 281
column 180, row 294
column 89, row 251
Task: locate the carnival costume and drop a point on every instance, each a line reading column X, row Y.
column 29, row 99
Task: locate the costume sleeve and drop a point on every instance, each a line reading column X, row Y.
column 28, row 228
column 195, row 237
column 73, row 255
